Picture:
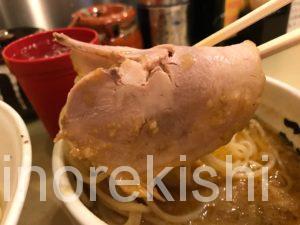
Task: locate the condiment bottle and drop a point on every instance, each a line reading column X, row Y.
column 163, row 21
column 115, row 23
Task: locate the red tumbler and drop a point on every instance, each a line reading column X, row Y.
column 44, row 70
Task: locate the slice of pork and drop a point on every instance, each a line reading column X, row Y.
column 165, row 101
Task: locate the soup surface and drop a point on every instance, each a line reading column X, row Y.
column 247, row 149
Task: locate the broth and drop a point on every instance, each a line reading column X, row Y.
column 283, row 206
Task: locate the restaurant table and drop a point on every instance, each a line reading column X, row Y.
column 284, row 66
column 36, row 212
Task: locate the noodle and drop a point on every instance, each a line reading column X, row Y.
column 122, row 206
column 154, row 220
column 134, row 219
column 176, row 219
column 246, row 149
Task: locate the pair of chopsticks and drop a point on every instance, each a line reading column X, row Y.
column 279, row 44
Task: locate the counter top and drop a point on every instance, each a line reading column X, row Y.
column 34, row 211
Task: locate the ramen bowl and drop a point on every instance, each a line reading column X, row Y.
column 15, row 164
column 279, row 109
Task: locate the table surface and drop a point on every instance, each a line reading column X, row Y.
column 35, row 212
column 284, row 66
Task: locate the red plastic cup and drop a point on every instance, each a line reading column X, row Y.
column 44, row 70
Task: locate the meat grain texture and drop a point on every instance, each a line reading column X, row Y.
column 165, row 101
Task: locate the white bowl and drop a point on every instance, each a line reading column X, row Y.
column 15, row 147
column 280, row 101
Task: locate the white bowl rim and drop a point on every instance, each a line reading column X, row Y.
column 72, row 206
column 77, row 208
column 282, row 85
column 18, row 200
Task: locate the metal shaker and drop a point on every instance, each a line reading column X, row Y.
column 163, row 21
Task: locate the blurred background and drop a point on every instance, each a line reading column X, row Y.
column 197, row 19
column 42, row 13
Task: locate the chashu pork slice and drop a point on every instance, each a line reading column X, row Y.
column 166, row 101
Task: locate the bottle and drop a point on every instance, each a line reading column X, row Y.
column 233, row 9
column 163, row 21
column 115, row 22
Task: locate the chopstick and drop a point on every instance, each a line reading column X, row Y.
column 240, row 24
column 279, row 44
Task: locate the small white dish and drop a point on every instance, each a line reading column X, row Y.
column 15, row 153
